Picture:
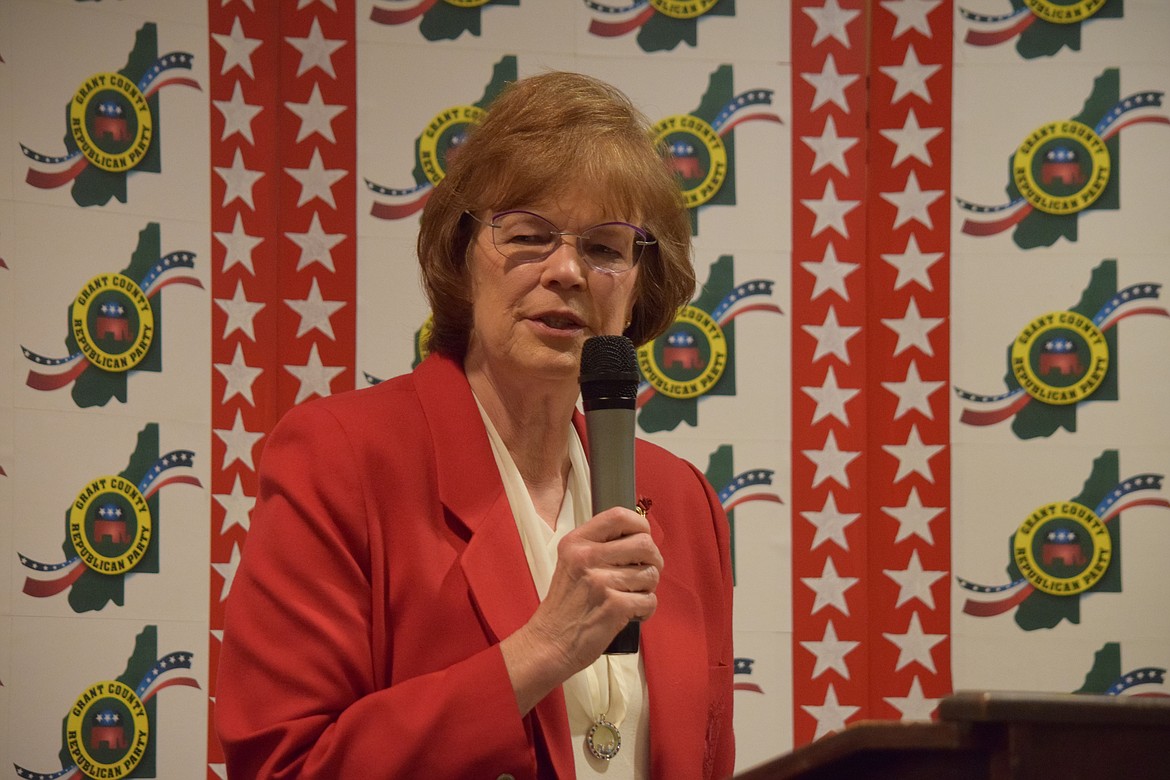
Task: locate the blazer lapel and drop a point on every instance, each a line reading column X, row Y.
column 493, row 563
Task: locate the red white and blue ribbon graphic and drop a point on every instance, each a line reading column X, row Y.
column 1138, row 108
column 55, row 373
column 398, row 203
column 990, row 30
column 1140, row 490
column 399, row 11
column 48, row 172
column 744, row 666
column 1148, row 681
column 753, row 485
column 990, row 409
column 49, row 579
column 615, row 20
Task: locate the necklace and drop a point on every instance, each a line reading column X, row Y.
column 603, row 740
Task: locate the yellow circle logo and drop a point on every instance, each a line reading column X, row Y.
column 1060, row 358
column 689, row 359
column 113, row 322
column 1066, row 12
column 422, row 341
column 683, row 9
column 1062, row 167
column 1063, row 548
column 110, row 525
column 109, row 120
column 442, row 138
column 701, row 167
column 107, row 730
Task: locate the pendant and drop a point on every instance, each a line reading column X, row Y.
column 603, row 740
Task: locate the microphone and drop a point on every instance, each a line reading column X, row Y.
column 609, row 391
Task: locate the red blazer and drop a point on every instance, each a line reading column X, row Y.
column 363, row 623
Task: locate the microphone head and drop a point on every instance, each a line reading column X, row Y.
column 609, row 371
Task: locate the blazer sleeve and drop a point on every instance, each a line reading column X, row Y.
column 300, row 685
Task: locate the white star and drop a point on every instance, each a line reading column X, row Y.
column 829, row 588
column 913, row 392
column 830, row 85
column 914, row 456
column 910, row 77
column 330, row 4
column 914, row 582
column 913, row 203
column 240, row 312
column 830, row 398
column 316, row 50
column 219, row 769
column 237, row 49
column 223, row 3
column 830, row 210
column 830, row 274
column 911, row 140
column 831, row 715
column 830, row 652
column 913, row 518
column 239, row 246
column 914, row 645
column 913, row 706
column 316, row 116
column 316, row 181
column 829, row 147
column 316, row 245
column 227, row 570
column 913, row 329
column 831, row 337
column 237, row 507
column 911, row 15
column 830, row 523
column 913, row 265
column 239, row 181
column 237, row 115
column 831, row 22
column 239, row 376
column 315, row 312
column 238, row 443
column 831, row 461
column 315, row 378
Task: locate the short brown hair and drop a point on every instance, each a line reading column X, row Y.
column 543, row 136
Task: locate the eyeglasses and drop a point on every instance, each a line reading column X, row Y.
column 524, row 237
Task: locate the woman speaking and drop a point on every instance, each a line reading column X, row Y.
column 425, row 590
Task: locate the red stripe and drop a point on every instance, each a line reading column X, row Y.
column 391, row 211
column 175, row 280
column 181, row 479
column 1158, row 310
column 976, row 417
column 1131, row 504
column 758, row 497
column 43, row 588
column 752, row 307
column 976, row 38
column 975, row 228
column 727, row 128
column 384, row 16
column 182, row 81
column 989, row 608
column 47, row 181
column 188, row 681
column 39, row 381
column 614, row 29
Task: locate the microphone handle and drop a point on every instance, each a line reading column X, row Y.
column 611, row 469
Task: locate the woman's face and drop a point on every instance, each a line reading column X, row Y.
column 531, row 319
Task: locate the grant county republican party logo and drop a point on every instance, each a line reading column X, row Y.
column 1065, row 549
column 735, row 488
column 114, row 325
column 702, row 143
column 442, row 20
column 696, row 356
column 435, row 145
column 1066, row 167
column 1060, row 359
column 661, row 24
column 1106, row 677
column 113, row 125
column 112, row 528
column 109, row 730
column 1041, row 27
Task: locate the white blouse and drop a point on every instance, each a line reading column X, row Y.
column 614, row 686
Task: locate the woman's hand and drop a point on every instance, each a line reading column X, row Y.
column 606, row 575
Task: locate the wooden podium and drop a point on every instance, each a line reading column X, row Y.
column 996, row 736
